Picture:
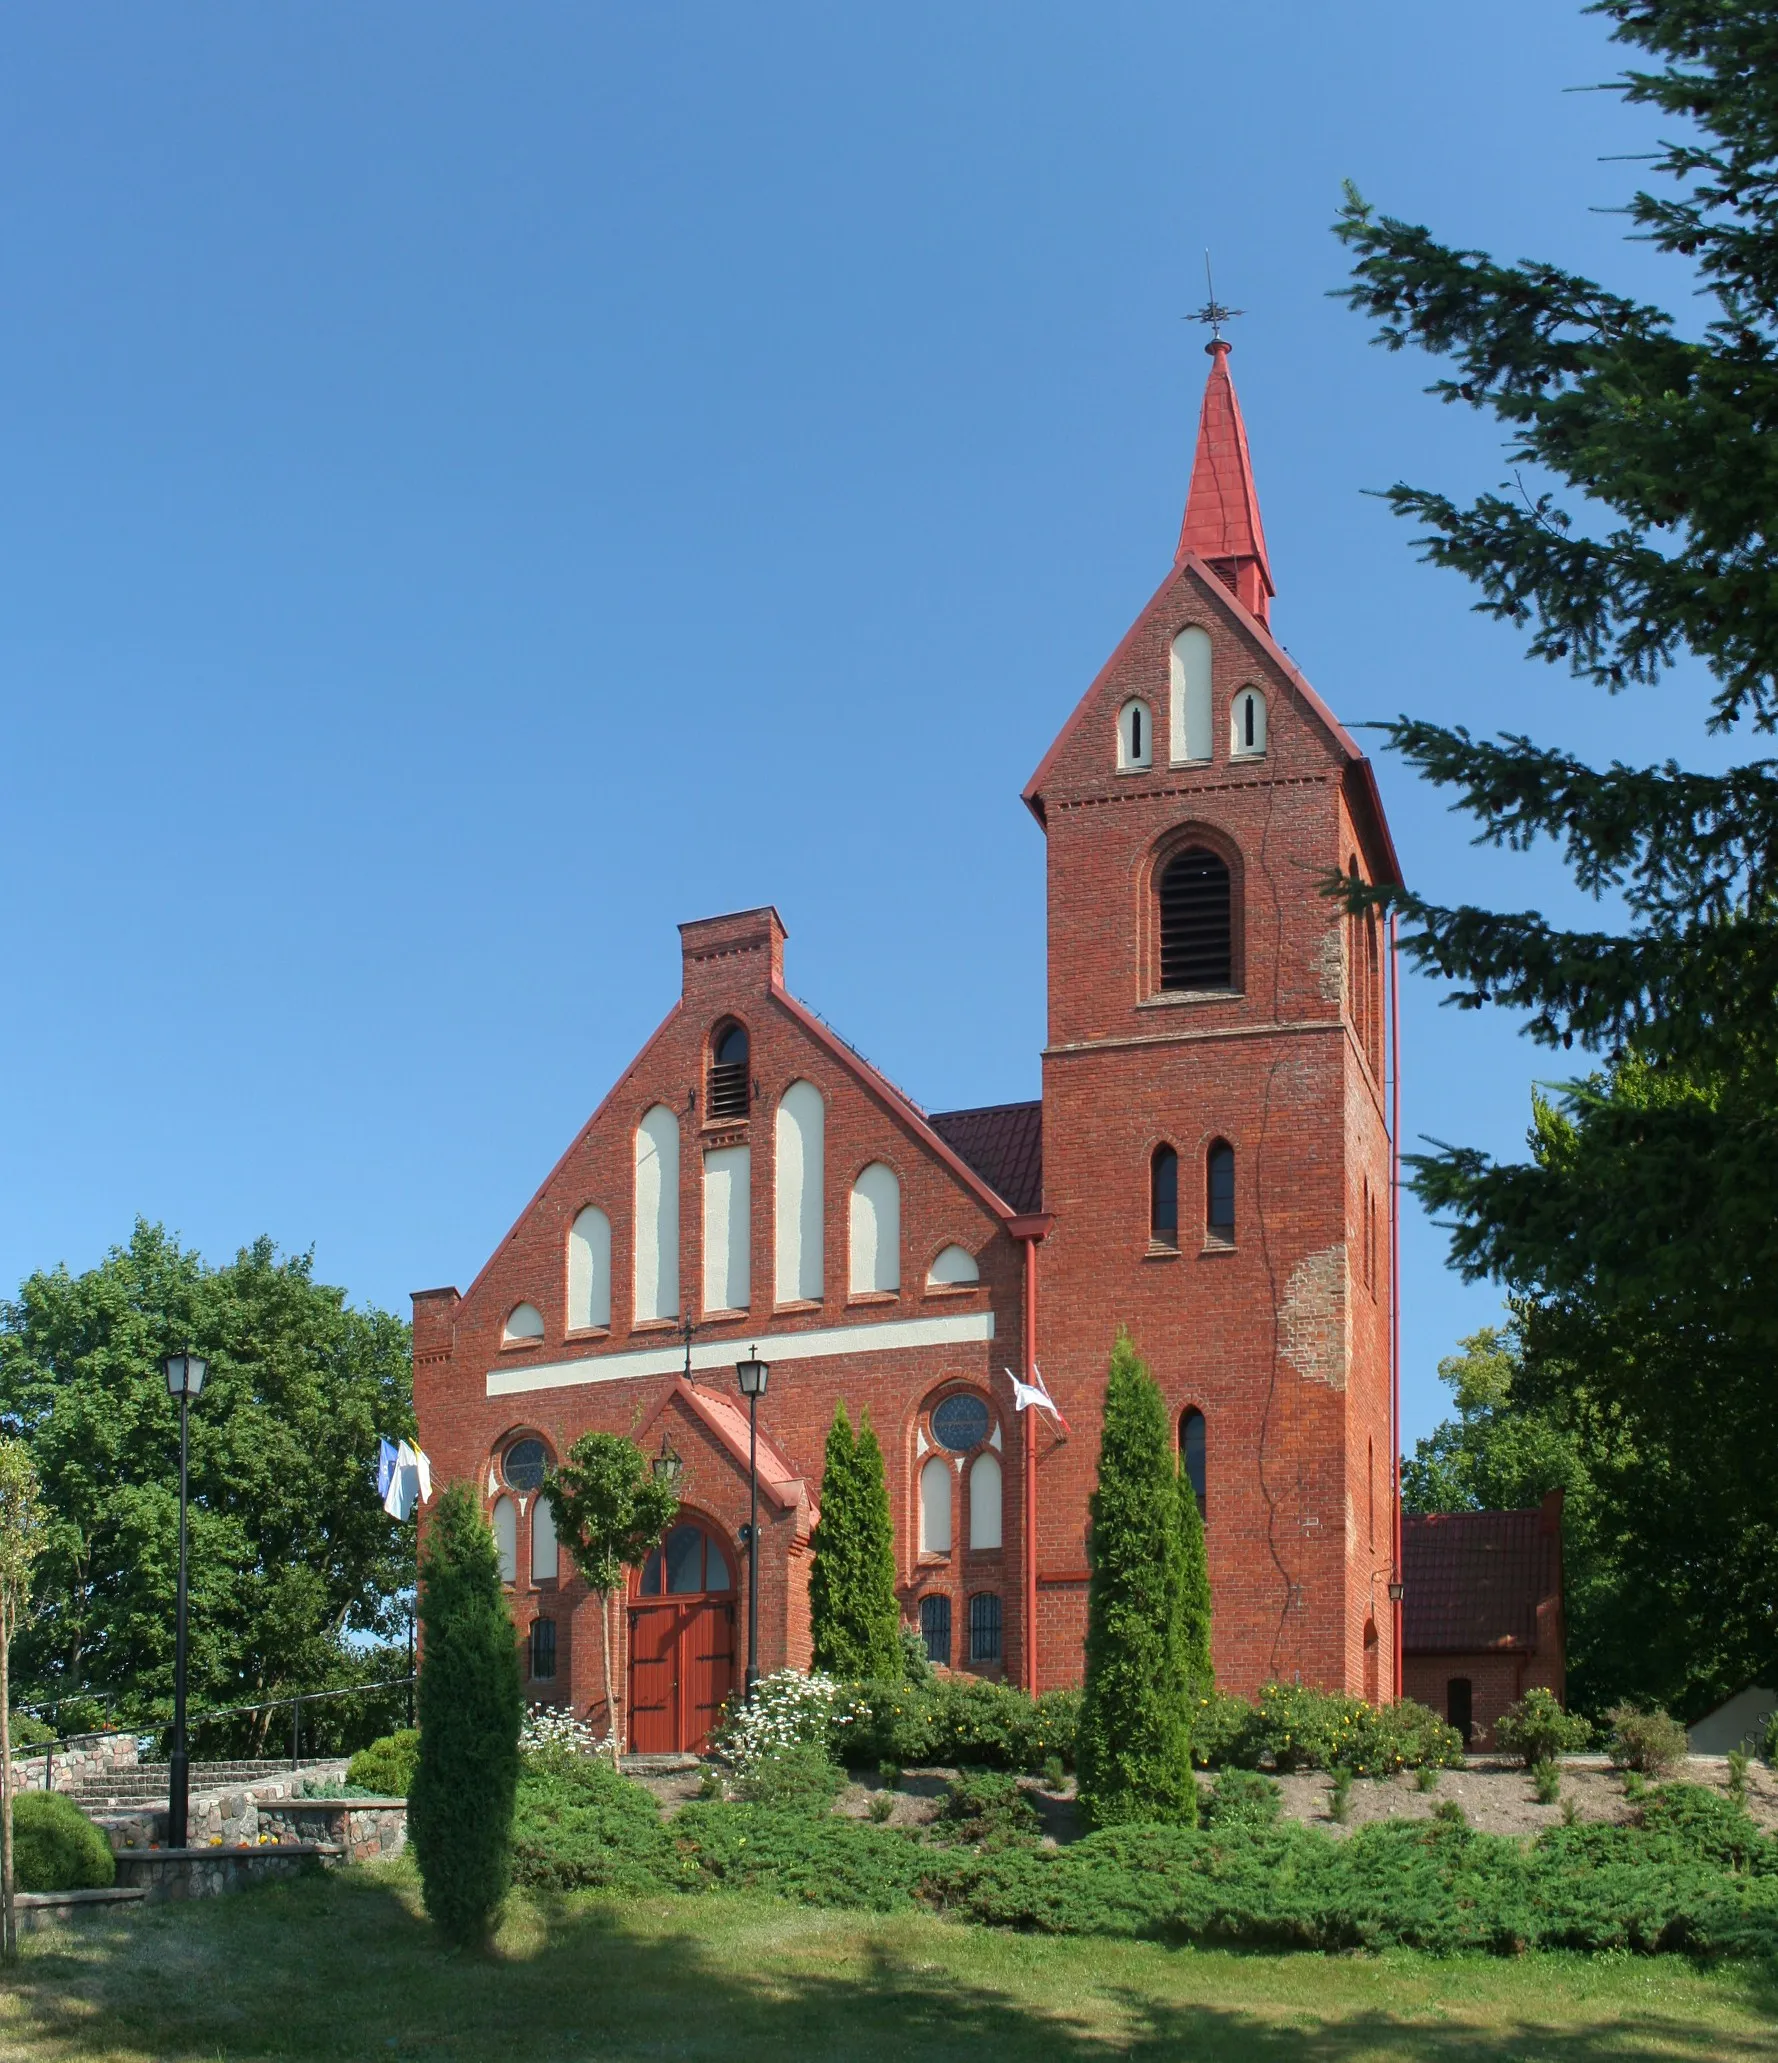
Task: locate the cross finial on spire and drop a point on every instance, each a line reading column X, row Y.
column 1213, row 311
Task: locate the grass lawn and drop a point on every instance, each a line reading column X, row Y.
column 347, row 1966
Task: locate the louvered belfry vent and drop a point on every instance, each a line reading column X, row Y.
column 1195, row 930
column 726, row 1091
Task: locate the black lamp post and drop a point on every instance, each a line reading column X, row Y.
column 751, row 1374
column 185, row 1380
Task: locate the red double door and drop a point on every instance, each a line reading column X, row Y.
column 682, row 1642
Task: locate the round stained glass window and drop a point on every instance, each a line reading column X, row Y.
column 524, row 1465
column 960, row 1423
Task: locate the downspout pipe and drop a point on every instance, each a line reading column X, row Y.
column 1395, row 1281
column 1029, row 1230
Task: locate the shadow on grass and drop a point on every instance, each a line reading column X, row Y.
column 347, row 1967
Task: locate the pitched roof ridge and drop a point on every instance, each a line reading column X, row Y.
column 902, row 1104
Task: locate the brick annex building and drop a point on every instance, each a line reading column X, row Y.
column 1209, row 1166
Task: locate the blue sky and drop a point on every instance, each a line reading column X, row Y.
column 482, row 485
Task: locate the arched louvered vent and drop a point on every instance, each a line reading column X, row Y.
column 1195, row 930
column 726, row 1090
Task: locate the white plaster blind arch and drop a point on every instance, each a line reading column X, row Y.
column 1247, row 725
column 1190, row 711
column 984, row 1502
column 1135, row 736
column 589, row 1271
column 657, row 1215
column 935, row 1507
column 954, row 1264
column 506, row 1538
column 524, row 1322
column 800, row 1142
column 728, row 1227
column 546, row 1561
column 876, row 1231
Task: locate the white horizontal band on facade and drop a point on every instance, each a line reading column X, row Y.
column 890, row 1335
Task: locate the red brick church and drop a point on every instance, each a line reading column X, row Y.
column 1209, row 1167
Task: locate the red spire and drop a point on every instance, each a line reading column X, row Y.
column 1222, row 510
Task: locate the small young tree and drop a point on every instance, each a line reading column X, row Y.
column 470, row 1709
column 1134, row 1753
column 609, row 1512
column 23, row 1525
column 853, row 1614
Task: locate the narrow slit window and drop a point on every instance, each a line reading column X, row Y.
column 1163, row 1197
column 726, row 1091
column 984, row 1627
column 1191, row 1457
column 935, row 1629
column 1196, row 933
column 543, row 1651
column 1219, row 1200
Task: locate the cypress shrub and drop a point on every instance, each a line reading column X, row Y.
column 1134, row 1754
column 1195, row 1579
column 55, row 1847
column 854, row 1618
column 470, row 1706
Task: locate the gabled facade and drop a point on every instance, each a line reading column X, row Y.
column 1209, row 1168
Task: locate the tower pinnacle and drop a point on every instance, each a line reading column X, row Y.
column 1222, row 522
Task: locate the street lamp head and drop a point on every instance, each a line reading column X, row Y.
column 666, row 1467
column 1397, row 1591
column 185, row 1374
column 751, row 1374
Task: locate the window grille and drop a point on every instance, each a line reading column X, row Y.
column 984, row 1627
column 935, row 1629
column 1196, row 949
column 543, row 1650
column 726, row 1091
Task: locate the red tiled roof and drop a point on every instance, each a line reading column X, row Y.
column 1003, row 1142
column 1474, row 1579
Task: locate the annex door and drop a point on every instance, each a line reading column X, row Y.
column 682, row 1642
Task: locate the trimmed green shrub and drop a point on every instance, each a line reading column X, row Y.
column 55, row 1847
column 984, row 1809
column 1223, row 1732
column 854, row 1617
column 579, row 1825
column 951, row 1722
column 1538, row 1729
column 460, row 1803
column 1296, row 1727
column 1546, row 1782
column 1646, row 1739
column 1134, row 1749
column 387, row 1766
column 1243, row 1798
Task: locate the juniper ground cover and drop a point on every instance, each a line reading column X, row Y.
column 739, row 1976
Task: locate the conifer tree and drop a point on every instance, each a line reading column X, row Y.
column 1634, row 537
column 470, row 1709
column 854, row 1617
column 1134, row 1752
column 1195, row 1581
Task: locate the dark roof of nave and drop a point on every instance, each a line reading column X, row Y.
column 1003, row 1142
column 1474, row 1579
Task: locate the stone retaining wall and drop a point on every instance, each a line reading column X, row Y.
column 361, row 1828
column 168, row 1873
column 229, row 1816
column 85, row 1756
column 37, row 1909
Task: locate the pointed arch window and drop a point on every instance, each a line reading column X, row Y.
column 1247, row 725
column 984, row 1503
column 1197, row 933
column 1135, row 737
column 935, row 1507
column 875, row 1259
column 1219, row 1194
column 1191, row 1456
column 725, row 1093
column 935, row 1629
column 1190, row 697
column 506, row 1538
column 1163, row 1197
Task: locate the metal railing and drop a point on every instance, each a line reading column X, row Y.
column 296, row 1700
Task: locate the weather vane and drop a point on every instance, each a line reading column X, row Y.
column 1213, row 312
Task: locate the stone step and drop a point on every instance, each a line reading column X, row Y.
column 147, row 1782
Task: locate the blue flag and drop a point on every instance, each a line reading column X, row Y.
column 386, row 1452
